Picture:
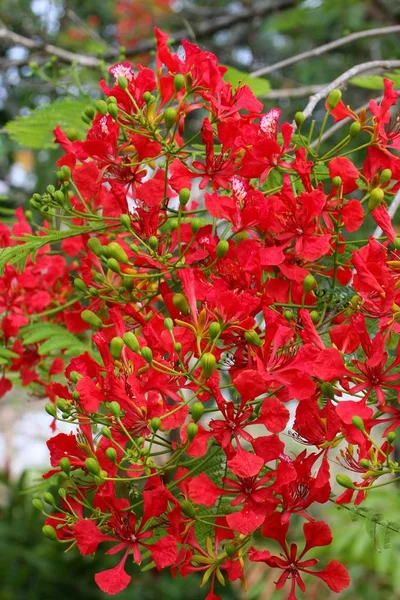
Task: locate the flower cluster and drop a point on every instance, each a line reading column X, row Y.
column 219, row 271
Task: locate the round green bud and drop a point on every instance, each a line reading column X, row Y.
column 125, row 221
column 113, row 265
column 114, row 409
column 192, row 431
column 111, row 100
column 118, row 253
column 208, row 364
column 188, row 508
column 397, row 243
column 75, row 376
column 345, row 481
column 364, row 463
column 173, row 224
column 355, row 129
column 170, row 115
column 86, row 119
column 101, row 107
column 113, row 110
column 38, row 504
column 63, row 405
column 50, row 409
column 288, row 314
column 49, row 532
column 153, row 242
column 89, row 112
column 180, row 302
column 231, row 550
column 328, row 390
column 184, row 196
column 309, row 282
column 253, row 338
column 93, row 291
column 197, row 224
column 214, row 330
column 76, row 396
column 91, row 318
column 147, row 354
column 79, row 284
column 66, row 172
column 376, row 198
column 111, row 454
column 299, row 118
column 155, row 424
column 314, row 314
column 59, row 197
column 197, row 411
column 168, row 324
column 179, row 82
column 51, row 189
column 106, row 432
column 131, row 341
column 177, row 347
column 92, row 466
column 222, row 248
column 358, row 423
column 65, row 464
column 94, row 245
column 116, row 346
column 49, row 498
column 391, row 436
column 334, row 98
column 337, row 181
column 147, row 97
column 122, row 82
column 62, row 493
column 386, row 175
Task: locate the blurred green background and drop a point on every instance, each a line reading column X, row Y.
column 32, row 567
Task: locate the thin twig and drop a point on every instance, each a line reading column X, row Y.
column 346, row 76
column 298, row 92
column 326, row 48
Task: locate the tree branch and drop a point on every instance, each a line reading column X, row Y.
column 202, row 30
column 346, row 76
column 327, row 48
column 297, row 92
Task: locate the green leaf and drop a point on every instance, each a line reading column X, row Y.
column 36, row 130
column 57, row 338
column 375, row 82
column 258, row 85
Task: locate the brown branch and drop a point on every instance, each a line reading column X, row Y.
column 202, row 30
column 345, row 77
column 327, row 48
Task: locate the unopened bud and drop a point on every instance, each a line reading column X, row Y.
column 334, row 98
column 113, row 110
column 192, row 431
column 214, row 330
column 125, row 221
column 131, row 341
column 113, row 265
column 50, row 409
column 184, row 196
column 168, row 324
column 65, row 464
column 197, row 411
column 376, row 197
column 170, row 115
column 308, row 283
column 179, row 82
column 208, row 364
column 328, row 390
column 299, row 118
column 253, row 338
column 180, row 302
column 122, row 82
column 188, row 508
column 111, row 454
column 106, row 432
column 153, row 242
column 38, row 504
column 79, row 284
column 355, row 129
column 147, row 97
column 177, row 347
column 116, row 346
column 101, row 107
column 391, row 436
column 364, row 463
column 114, row 409
column 147, row 354
column 117, row 252
column 288, row 314
column 92, row 466
column 91, row 318
column 345, row 481
column 314, row 314
column 386, row 175
column 222, row 248
column 337, row 181
column 358, row 423
column 49, row 532
column 197, row 224
column 155, row 424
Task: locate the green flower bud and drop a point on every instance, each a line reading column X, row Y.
column 116, row 346
column 153, row 242
column 230, row 549
column 337, row 181
column 364, row 463
column 111, row 454
column 147, row 354
column 114, row 409
column 197, row 224
column 358, row 423
column 101, row 107
column 299, row 119
column 168, row 324
column 253, row 338
column 59, row 197
column 72, row 135
column 75, row 376
column 65, row 464
column 147, row 97
column 214, row 330
column 113, row 265
column 50, row 409
column 197, row 411
column 314, row 314
column 49, row 498
column 117, row 252
column 184, row 196
column 66, row 172
column 125, row 221
column 89, row 112
column 192, row 431
column 155, row 424
column 106, row 432
column 375, row 199
column 288, row 314
column 79, row 284
column 91, row 318
column 188, row 508
column 222, row 248
column 177, row 347
column 63, row 405
column 308, row 283
column 208, row 364
column 113, row 110
column 328, row 390
column 122, row 82
column 131, row 341
column 92, row 466
column 355, row 129
column 76, row 396
column 38, row 504
column 94, row 245
column 386, row 175
column 180, row 302
column 179, row 82
column 345, row 481
column 391, row 436
column 170, row 116
column 334, row 98
column 49, row 532
column 86, row 119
